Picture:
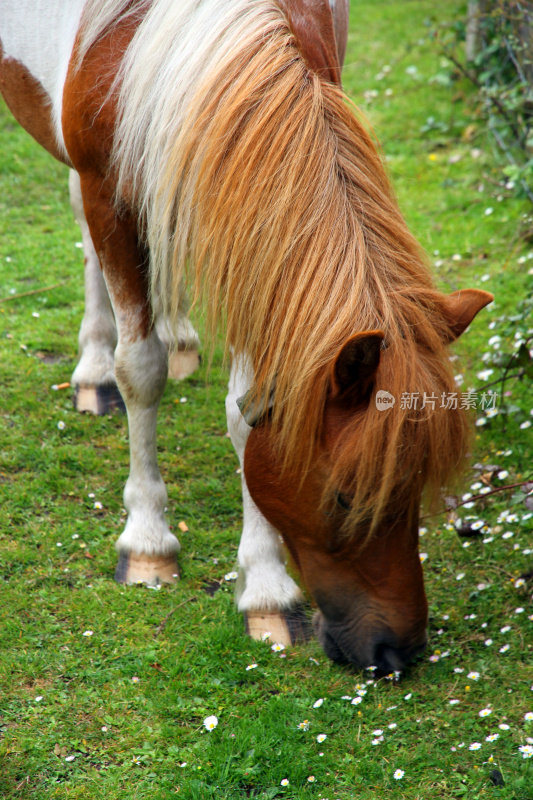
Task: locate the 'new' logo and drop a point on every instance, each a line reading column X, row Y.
column 384, row 400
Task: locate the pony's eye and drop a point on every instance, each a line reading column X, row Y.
column 343, row 501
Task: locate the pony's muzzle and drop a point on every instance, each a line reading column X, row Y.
column 380, row 649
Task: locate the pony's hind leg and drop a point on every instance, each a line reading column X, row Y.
column 147, row 549
column 268, row 597
column 93, row 379
column 182, row 344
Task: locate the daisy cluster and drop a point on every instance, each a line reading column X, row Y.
column 509, row 345
column 499, row 635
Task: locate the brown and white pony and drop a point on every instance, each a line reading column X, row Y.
column 214, row 145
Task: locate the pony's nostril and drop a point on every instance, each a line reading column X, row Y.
column 389, row 658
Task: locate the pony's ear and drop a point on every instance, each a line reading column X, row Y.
column 356, row 363
column 461, row 307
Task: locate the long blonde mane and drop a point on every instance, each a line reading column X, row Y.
column 254, row 179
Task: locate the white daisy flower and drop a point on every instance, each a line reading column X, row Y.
column 485, row 374
column 210, row 723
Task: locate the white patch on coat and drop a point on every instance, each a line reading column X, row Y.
column 40, row 34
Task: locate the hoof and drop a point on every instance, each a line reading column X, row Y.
column 151, row 570
column 182, row 363
column 98, row 400
column 285, row 627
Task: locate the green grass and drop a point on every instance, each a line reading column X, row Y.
column 185, row 644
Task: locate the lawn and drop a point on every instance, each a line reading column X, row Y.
column 104, row 689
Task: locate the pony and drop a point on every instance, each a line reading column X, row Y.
column 215, row 148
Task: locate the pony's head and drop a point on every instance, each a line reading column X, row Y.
column 350, row 521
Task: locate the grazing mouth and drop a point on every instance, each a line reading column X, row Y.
column 380, row 652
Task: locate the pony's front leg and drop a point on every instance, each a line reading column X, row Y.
column 147, row 549
column 268, row 597
column 94, row 377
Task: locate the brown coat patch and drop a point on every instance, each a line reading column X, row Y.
column 29, row 103
column 89, row 118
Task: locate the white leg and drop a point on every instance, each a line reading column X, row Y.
column 147, row 549
column 94, row 376
column 269, row 598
